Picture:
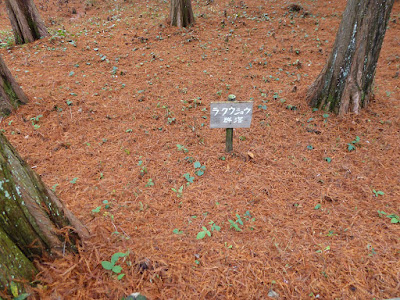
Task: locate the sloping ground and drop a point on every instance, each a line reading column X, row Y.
column 119, row 113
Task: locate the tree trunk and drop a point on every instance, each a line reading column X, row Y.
column 181, row 13
column 33, row 222
column 25, row 20
column 11, row 95
column 345, row 83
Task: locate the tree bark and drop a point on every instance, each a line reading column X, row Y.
column 11, row 95
column 33, row 222
column 345, row 83
column 25, row 20
column 181, row 13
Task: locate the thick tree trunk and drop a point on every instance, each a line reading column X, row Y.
column 345, row 83
column 181, row 13
column 25, row 20
column 33, row 222
column 11, row 95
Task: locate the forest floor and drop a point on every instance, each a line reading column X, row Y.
column 119, row 117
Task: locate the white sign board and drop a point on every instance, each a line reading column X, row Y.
column 231, row 114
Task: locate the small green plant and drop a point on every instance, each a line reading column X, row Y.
column 74, row 180
column 248, row 216
column 199, row 168
column 54, row 187
column 149, row 183
column 178, row 191
column 352, row 145
column 214, row 226
column 143, row 169
column 177, row 231
column 371, row 250
column 107, row 205
column 235, row 224
column 378, row 193
column 394, row 219
column 202, row 234
column 188, row 178
column 35, row 121
column 111, row 265
column 182, row 148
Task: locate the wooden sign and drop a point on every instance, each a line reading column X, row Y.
column 231, row 114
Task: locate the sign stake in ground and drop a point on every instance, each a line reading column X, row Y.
column 231, row 114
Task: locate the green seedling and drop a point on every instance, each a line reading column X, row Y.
column 74, row 180
column 394, row 219
column 239, row 220
column 228, row 246
column 107, row 205
column 143, row 170
column 35, row 121
column 188, row 178
column 202, row 234
column 111, row 265
column 199, row 168
column 149, row 183
column 54, row 187
column 248, row 216
column 178, row 191
column 378, row 193
column 214, row 226
column 177, row 231
column 352, row 144
column 182, row 148
column 234, row 225
column 371, row 249
column 189, row 159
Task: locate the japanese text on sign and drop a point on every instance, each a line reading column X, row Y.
column 231, row 114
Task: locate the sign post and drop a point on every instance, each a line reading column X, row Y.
column 229, row 131
column 231, row 114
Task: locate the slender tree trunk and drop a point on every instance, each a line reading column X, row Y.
column 33, row 222
column 181, row 13
column 11, row 95
column 25, row 20
column 345, row 83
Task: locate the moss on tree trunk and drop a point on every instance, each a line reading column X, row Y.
column 181, row 13
column 25, row 20
column 13, row 264
column 345, row 83
column 11, row 95
column 33, row 222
